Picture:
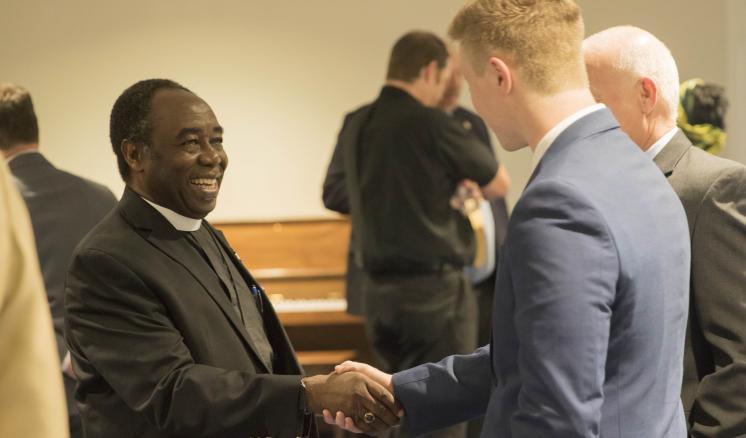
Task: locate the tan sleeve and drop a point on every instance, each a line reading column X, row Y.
column 32, row 401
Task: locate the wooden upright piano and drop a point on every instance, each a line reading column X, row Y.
column 301, row 265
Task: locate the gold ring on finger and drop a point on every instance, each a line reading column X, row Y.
column 368, row 417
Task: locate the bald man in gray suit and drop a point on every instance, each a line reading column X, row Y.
column 634, row 74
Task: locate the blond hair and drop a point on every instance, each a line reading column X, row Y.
column 542, row 37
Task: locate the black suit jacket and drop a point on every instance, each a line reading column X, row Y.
column 713, row 192
column 63, row 209
column 334, row 197
column 157, row 346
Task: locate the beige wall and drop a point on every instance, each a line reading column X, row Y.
column 279, row 75
column 735, row 17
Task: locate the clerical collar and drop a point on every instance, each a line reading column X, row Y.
column 181, row 223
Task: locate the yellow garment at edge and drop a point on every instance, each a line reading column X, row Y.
column 32, row 401
column 704, row 136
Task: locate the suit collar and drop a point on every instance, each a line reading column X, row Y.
column 172, row 242
column 144, row 217
column 591, row 124
column 548, row 139
column 659, row 144
column 394, row 92
column 27, row 159
column 671, row 153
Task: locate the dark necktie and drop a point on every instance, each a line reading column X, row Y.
column 239, row 293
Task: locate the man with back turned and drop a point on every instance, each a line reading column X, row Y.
column 402, row 161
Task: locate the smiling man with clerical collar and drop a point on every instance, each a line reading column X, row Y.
column 170, row 335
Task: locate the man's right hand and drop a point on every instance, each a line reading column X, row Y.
column 368, row 404
column 465, row 190
column 374, row 373
column 343, row 420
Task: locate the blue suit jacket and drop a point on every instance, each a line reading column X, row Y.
column 590, row 307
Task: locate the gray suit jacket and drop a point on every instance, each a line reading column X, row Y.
column 713, row 191
column 63, row 208
column 590, row 305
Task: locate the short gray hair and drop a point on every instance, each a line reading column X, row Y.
column 641, row 54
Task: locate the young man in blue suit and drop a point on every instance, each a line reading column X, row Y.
column 592, row 290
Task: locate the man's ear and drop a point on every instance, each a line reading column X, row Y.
column 647, row 95
column 430, row 72
column 502, row 74
column 134, row 155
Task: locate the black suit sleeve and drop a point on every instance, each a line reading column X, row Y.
column 481, row 131
column 719, row 294
column 119, row 329
column 335, row 187
column 466, row 156
column 477, row 125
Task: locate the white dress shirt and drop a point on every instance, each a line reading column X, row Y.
column 658, row 146
column 546, row 141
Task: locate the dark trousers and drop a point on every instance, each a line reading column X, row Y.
column 411, row 319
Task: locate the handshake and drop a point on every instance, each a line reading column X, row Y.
column 355, row 397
